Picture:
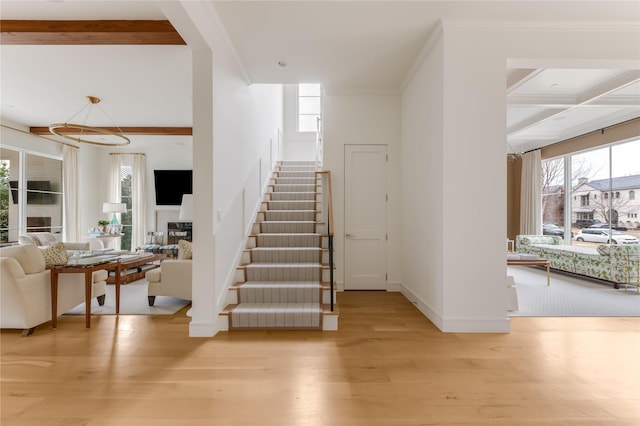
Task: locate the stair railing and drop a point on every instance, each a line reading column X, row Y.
column 327, row 213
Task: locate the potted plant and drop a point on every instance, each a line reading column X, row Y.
column 102, row 225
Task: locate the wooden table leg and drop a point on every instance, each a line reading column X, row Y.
column 117, row 284
column 548, row 274
column 88, row 280
column 54, row 298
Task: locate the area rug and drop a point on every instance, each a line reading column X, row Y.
column 570, row 296
column 133, row 301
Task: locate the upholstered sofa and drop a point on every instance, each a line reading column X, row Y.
column 47, row 239
column 618, row 264
column 25, row 288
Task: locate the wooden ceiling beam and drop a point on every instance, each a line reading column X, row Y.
column 105, row 32
column 155, row 131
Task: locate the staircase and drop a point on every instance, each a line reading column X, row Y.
column 283, row 281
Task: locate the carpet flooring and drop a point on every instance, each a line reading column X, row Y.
column 133, row 301
column 569, row 295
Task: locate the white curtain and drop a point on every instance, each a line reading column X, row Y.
column 138, row 200
column 70, row 210
column 531, row 194
column 113, row 193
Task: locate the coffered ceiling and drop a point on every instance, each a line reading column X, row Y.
column 361, row 46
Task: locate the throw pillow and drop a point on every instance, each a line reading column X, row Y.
column 184, row 249
column 46, row 238
column 54, row 255
column 28, row 239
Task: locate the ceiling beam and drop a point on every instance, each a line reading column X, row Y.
column 155, row 131
column 105, row 32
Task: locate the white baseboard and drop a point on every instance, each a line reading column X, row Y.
column 457, row 325
column 202, row 329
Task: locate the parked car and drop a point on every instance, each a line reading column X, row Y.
column 585, row 223
column 596, row 235
column 606, row 226
column 552, row 229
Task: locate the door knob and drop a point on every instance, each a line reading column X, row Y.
column 348, row 235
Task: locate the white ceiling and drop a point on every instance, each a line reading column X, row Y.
column 360, row 46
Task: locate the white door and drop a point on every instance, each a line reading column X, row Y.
column 365, row 217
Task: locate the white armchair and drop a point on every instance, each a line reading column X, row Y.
column 172, row 278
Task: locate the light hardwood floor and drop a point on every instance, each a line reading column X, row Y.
column 387, row 365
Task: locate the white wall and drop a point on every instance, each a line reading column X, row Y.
column 236, row 141
column 469, row 143
column 422, row 184
column 364, row 119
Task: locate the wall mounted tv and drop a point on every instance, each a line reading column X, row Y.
column 170, row 185
column 35, row 197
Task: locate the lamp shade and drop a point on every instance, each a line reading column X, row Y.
column 186, row 208
column 114, row 207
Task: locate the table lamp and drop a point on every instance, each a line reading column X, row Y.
column 114, row 208
column 186, row 208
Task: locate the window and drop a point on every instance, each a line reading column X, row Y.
column 611, row 171
column 309, row 107
column 125, row 197
column 30, row 194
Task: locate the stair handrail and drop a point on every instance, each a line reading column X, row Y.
column 329, row 218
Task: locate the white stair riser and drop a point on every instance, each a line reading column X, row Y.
column 290, row 205
column 285, row 255
column 243, row 275
column 252, row 242
column 279, row 294
column 293, row 196
column 290, row 318
column 256, row 272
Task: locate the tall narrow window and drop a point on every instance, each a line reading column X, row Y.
column 5, row 194
column 309, row 107
column 125, row 197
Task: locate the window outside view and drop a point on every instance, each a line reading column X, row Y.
column 604, row 200
column 309, row 107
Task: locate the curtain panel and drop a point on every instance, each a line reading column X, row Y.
column 138, row 200
column 70, row 209
column 531, row 194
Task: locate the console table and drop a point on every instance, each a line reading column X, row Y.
column 106, row 240
column 87, row 269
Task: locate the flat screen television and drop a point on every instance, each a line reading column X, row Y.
column 34, row 197
column 170, row 185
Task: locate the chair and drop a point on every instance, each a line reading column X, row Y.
column 172, row 278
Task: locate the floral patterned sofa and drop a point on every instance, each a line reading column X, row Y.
column 616, row 263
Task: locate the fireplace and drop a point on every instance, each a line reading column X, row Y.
column 38, row 224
